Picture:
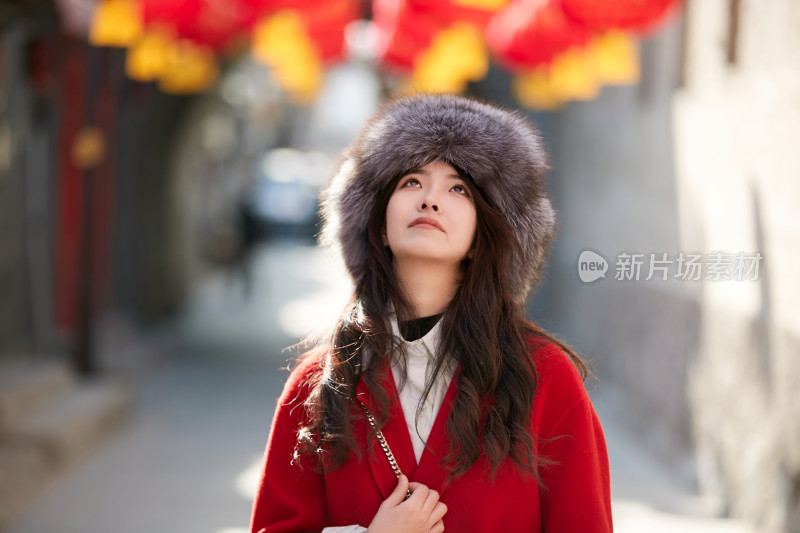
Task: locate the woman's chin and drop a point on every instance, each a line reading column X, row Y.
column 431, row 256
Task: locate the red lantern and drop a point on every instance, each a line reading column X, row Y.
column 528, row 34
column 213, row 23
column 455, row 11
column 407, row 28
column 173, row 13
column 641, row 16
column 326, row 22
column 404, row 32
column 216, row 23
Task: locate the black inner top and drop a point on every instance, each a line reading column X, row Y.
column 417, row 328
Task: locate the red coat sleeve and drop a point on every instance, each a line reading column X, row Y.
column 289, row 499
column 577, row 494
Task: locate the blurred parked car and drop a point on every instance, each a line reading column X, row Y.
column 284, row 196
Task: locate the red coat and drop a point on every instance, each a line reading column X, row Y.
column 576, row 499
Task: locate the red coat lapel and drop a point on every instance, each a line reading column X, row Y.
column 396, row 435
column 430, row 471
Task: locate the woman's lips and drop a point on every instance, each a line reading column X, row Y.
column 425, row 222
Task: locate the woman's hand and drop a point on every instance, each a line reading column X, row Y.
column 422, row 512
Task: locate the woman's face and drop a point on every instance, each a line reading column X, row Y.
column 431, row 215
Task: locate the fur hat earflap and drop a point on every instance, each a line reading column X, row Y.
column 498, row 148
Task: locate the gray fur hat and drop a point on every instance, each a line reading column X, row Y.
column 499, row 149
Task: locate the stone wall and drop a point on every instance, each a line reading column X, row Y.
column 700, row 157
column 737, row 124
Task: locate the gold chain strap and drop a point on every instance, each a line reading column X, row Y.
column 383, row 443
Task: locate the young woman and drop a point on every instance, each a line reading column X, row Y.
column 435, row 405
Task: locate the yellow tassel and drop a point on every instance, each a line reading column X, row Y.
column 190, row 69
column 571, row 76
column 282, row 43
column 534, row 90
column 457, row 56
column 148, row 59
column 614, row 58
column 116, row 23
column 485, row 5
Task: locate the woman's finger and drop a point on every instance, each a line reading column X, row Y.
column 419, row 493
column 431, row 501
column 438, row 512
column 438, row 527
column 398, row 495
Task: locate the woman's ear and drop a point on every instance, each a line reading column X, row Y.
column 385, row 239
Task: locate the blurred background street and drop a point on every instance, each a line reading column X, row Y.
column 160, row 166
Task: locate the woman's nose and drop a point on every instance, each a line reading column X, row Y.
column 430, row 200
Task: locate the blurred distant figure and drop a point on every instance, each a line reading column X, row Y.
column 248, row 235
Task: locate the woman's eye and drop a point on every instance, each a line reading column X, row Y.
column 413, row 182
column 460, row 189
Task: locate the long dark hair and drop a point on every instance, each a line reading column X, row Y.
column 497, row 378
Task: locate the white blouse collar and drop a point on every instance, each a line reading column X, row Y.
column 430, row 340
